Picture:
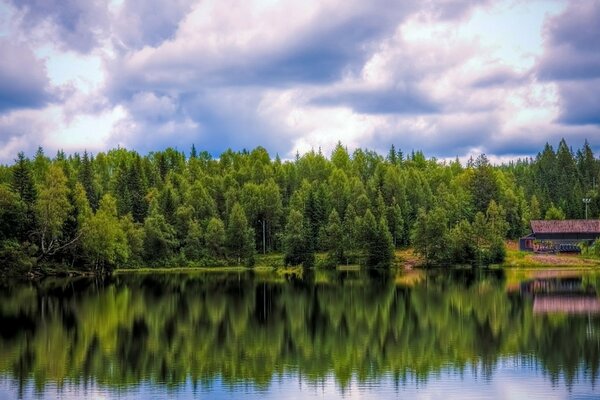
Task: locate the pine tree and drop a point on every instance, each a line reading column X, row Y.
column 377, row 241
column 334, row 239
column 395, row 223
column 22, row 181
column 239, row 237
column 86, row 177
column 193, row 245
column 295, row 241
column 215, row 237
column 430, row 235
column 137, row 188
column 159, row 237
column 534, row 209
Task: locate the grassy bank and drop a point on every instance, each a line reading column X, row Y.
column 525, row 259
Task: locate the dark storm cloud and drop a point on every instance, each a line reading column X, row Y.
column 572, row 60
column 336, row 41
column 381, row 101
column 580, row 102
column 77, row 25
column 149, row 22
column 573, row 43
column 23, row 79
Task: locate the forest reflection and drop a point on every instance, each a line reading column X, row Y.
column 249, row 328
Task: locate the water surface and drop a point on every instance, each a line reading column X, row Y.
column 442, row 334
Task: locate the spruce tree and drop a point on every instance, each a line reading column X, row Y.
column 239, row 237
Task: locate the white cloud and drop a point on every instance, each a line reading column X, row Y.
column 451, row 78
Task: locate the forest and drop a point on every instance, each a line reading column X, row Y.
column 121, row 209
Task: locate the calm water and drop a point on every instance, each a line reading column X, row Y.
column 461, row 334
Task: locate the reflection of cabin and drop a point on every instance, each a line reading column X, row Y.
column 561, row 295
column 566, row 305
column 560, row 235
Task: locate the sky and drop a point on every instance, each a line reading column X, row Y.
column 452, row 78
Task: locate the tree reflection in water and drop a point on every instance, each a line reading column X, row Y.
column 249, row 329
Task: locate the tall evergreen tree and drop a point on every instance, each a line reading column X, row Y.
column 86, row 177
column 296, row 245
column 239, row 237
column 334, row 239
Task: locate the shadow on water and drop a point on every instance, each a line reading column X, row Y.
column 248, row 328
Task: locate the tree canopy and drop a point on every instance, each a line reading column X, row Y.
column 168, row 208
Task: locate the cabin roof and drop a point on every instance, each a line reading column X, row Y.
column 566, row 226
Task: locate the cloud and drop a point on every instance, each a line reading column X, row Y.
column 572, row 43
column 23, row 79
column 404, row 100
column 450, row 77
column 140, row 23
column 580, row 102
column 572, row 60
column 23, row 130
column 75, row 25
column 500, row 77
column 239, row 44
column 454, row 9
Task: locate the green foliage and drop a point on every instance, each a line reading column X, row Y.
column 239, row 237
column 12, row 214
column 171, row 205
column 430, row 235
column 333, row 238
column 193, row 244
column 52, row 209
column 215, row 237
column 554, row 213
column 377, row 242
column 297, row 247
column 105, row 242
column 159, row 237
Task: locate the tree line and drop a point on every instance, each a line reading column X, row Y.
column 120, row 208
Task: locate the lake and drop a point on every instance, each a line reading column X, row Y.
column 451, row 334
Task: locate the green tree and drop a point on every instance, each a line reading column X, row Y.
column 12, row 214
column 483, row 186
column 239, row 237
column 134, row 232
column 395, row 223
column 159, row 237
column 215, row 237
column 554, row 213
column 496, row 218
column 430, row 235
column 535, row 212
column 377, row 241
column 86, row 177
column 104, row 241
column 52, row 209
column 295, row 242
column 193, row 245
column 334, row 239
column 463, row 249
column 22, row 184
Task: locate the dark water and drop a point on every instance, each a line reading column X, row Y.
column 459, row 334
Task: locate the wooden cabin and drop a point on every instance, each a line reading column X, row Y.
column 560, row 235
